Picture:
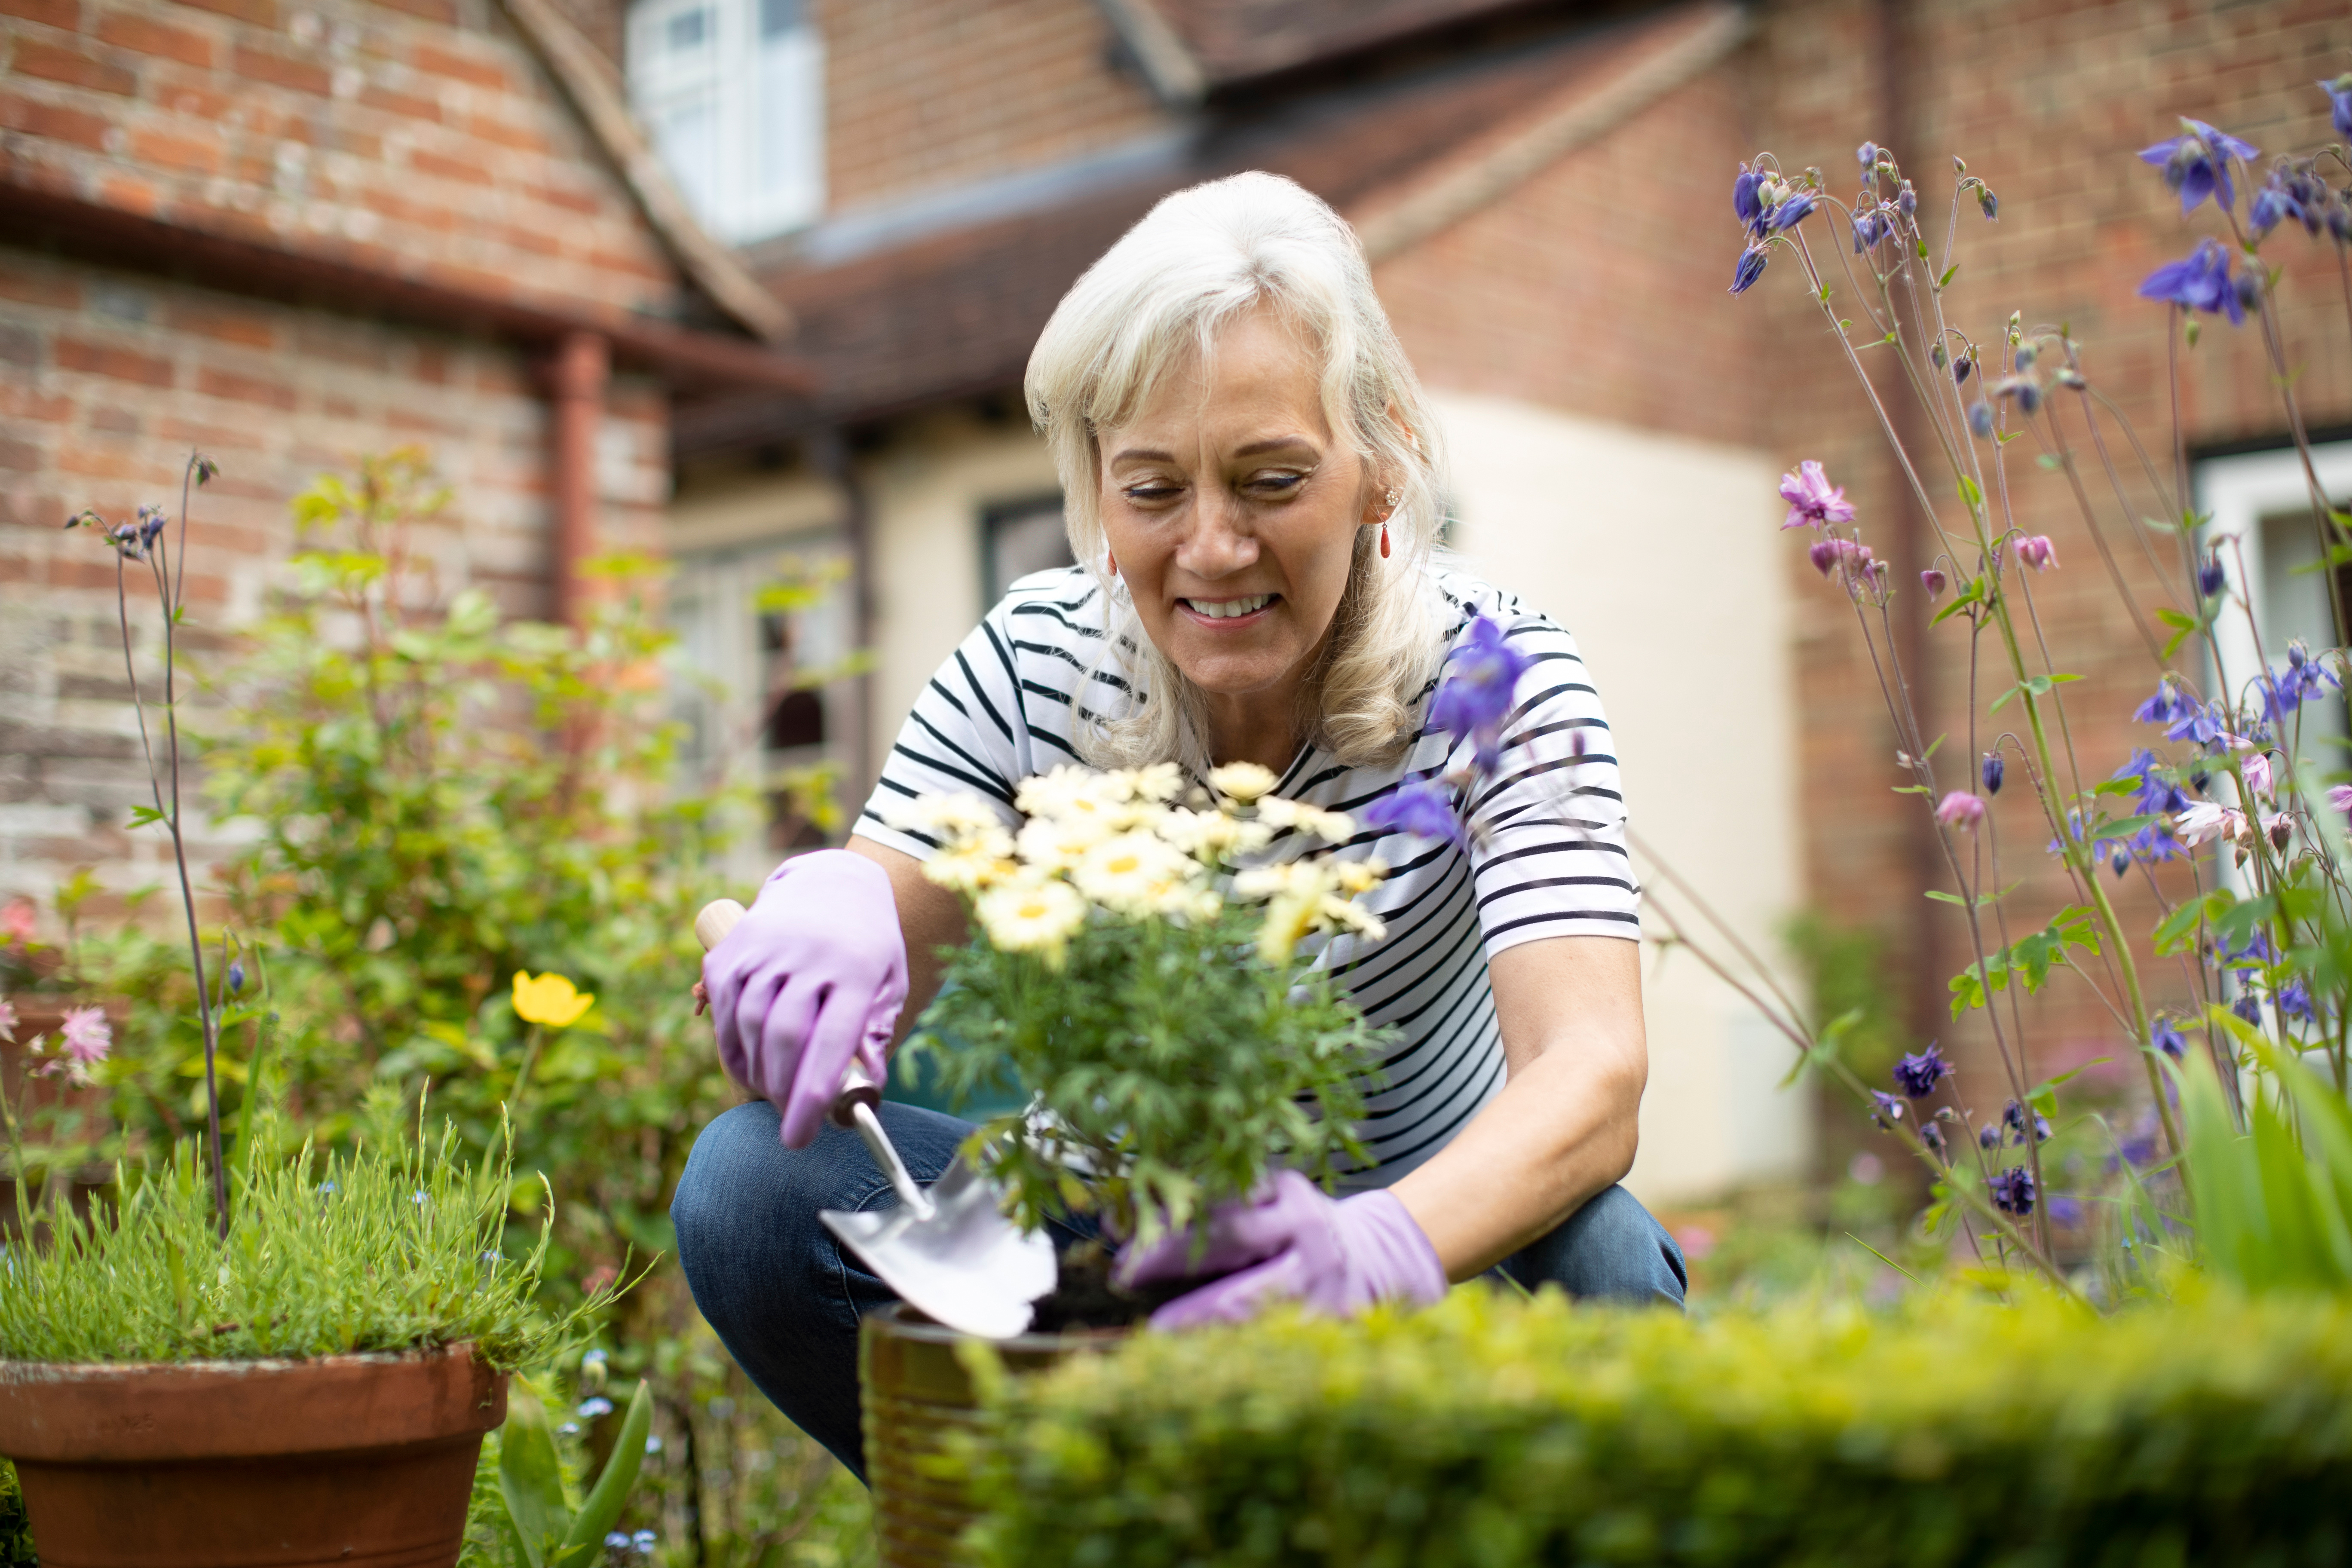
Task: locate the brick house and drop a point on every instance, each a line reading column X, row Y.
column 289, row 233
column 1541, row 186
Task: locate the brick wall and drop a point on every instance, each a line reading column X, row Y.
column 416, row 137
column 1583, row 289
column 2049, row 103
column 922, row 96
column 421, row 139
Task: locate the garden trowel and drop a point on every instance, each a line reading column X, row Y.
column 949, row 1252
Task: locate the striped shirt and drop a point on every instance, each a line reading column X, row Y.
column 1547, row 856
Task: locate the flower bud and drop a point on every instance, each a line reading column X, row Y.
column 2210, row 575
column 1824, row 554
column 1867, row 157
column 1961, row 369
column 2029, row 397
column 2026, row 355
column 1934, row 580
column 2037, row 552
column 1989, row 203
column 1980, row 420
column 1993, row 768
column 235, row 978
column 1907, row 202
column 2248, row 285
column 1959, row 809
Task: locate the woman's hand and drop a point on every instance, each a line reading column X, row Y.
column 811, row 978
column 1291, row 1243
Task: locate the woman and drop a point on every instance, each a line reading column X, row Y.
column 1251, row 478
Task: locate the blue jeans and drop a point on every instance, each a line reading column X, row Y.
column 786, row 1298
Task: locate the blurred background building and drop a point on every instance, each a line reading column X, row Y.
column 752, row 283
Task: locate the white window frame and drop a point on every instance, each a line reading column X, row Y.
column 764, row 171
column 2236, row 494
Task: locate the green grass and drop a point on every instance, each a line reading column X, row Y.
column 396, row 1246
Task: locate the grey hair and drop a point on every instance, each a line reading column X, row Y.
column 1156, row 300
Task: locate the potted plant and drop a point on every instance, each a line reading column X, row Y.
column 1143, row 969
column 263, row 1359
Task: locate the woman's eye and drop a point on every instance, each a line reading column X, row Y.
column 1151, row 493
column 1277, row 484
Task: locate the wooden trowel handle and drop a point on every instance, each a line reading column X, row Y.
column 711, row 928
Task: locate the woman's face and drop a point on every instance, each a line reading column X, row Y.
column 1232, row 513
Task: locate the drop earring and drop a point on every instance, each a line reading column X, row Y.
column 1393, row 498
column 1111, row 563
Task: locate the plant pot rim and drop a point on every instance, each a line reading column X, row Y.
column 17, row 1370
column 907, row 1322
column 161, row 1412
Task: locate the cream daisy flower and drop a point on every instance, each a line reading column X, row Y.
column 1243, row 782
column 981, row 862
column 1332, row 826
column 1211, row 835
column 1057, row 843
column 1123, row 872
column 1031, row 915
column 954, row 818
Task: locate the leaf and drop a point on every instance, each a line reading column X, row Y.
column 1949, row 273
column 2036, row 685
column 530, row 1479
column 2122, row 827
column 2172, row 617
column 610, row 1495
column 2043, row 1096
column 1971, row 494
column 1972, row 595
column 143, row 816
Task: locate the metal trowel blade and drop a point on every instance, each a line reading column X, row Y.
column 966, row 1267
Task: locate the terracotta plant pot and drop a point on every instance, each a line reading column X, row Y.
column 364, row 1460
column 914, row 1391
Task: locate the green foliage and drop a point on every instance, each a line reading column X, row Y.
column 1496, row 1432
column 399, row 1246
column 16, row 1529
column 1181, row 1064
column 548, row 1530
column 2273, row 1205
column 1847, row 974
column 2030, row 959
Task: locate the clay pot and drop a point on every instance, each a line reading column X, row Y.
column 915, row 1392
column 363, row 1460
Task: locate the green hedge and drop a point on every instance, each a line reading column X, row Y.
column 1494, row 1431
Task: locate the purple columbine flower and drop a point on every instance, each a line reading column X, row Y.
column 2294, row 1001
column 2274, row 204
column 1794, row 209
column 151, row 525
column 2012, row 1191
column 2012, row 1116
column 2340, row 798
column 2065, row 1211
column 1746, row 205
column 2169, row 704
column 1980, row 420
column 1812, row 500
column 1477, row 695
column 2206, row 724
column 1932, row 1136
column 2247, row 1007
column 235, row 978
column 1992, row 771
column 2211, row 577
column 1887, row 1109
column 2339, row 102
column 1988, row 203
column 1989, row 1136
column 1961, row 809
column 1917, row 1075
column 2197, row 163
column 1422, row 807
column 2201, row 281
column 2157, row 796
column 1751, row 267
column 2165, row 1036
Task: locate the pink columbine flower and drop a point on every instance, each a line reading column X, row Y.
column 1961, row 809
column 1812, row 500
column 2340, row 796
column 2256, row 765
column 7, row 1021
column 2037, row 552
column 2206, row 820
column 16, row 922
column 1933, row 580
column 86, row 1036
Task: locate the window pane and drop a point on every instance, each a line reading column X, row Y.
column 778, row 17
column 686, row 30
column 687, row 137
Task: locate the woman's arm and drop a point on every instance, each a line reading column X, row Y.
column 930, row 917
column 1563, row 1129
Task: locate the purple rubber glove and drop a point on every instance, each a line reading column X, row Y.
column 810, row 978
column 1292, row 1242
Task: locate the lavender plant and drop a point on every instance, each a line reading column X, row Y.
column 2229, row 821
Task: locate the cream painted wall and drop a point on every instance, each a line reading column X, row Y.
column 926, row 494
column 1664, row 557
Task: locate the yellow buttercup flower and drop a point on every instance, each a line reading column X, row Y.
column 551, row 999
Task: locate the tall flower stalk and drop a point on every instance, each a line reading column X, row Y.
column 152, row 540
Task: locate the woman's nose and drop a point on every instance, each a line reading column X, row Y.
column 1219, row 542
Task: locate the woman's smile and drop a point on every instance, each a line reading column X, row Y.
column 1230, row 614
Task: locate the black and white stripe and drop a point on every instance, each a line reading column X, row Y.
column 1547, row 857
